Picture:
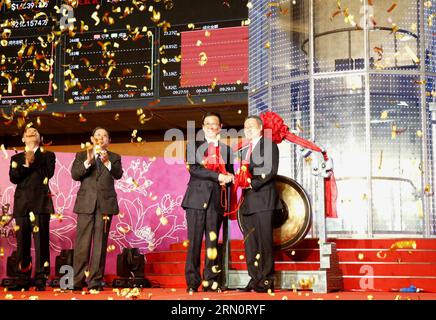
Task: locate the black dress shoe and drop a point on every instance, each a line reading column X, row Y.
column 210, row 289
column 248, row 288
column 191, row 290
column 40, row 288
column 18, row 288
column 264, row 289
column 95, row 288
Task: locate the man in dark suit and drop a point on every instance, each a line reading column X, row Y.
column 30, row 171
column 261, row 199
column 210, row 170
column 96, row 203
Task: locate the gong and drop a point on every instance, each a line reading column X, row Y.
column 291, row 224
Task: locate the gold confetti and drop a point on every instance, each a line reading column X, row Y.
column 35, row 229
column 164, row 221
column 212, row 253
column 241, row 257
column 360, row 256
column 370, row 297
column 95, row 17
column 14, row 165
column 256, row 263
column 205, row 283
column 32, row 216
column 185, row 243
column 411, row 244
column 214, row 285
column 267, row 45
column 158, row 211
column 191, row 26
column 258, row 256
column 216, row 269
column 58, row 115
column 5, row 153
column 16, row 228
column 381, row 255
column 46, row 264
column 100, row 103
column 124, row 229
column 384, row 115
column 392, row 7
column 212, row 236
column 45, row 181
column 203, row 58
column 213, row 84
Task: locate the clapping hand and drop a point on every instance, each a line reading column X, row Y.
column 29, row 157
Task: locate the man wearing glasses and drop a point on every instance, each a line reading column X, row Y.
column 210, row 170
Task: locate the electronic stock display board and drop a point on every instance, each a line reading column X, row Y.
column 115, row 53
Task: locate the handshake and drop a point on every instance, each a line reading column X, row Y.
column 226, row 178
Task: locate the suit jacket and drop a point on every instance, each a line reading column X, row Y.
column 264, row 163
column 31, row 193
column 96, row 184
column 204, row 182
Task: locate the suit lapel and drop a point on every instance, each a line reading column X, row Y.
column 258, row 150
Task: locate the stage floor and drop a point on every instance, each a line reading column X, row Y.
column 181, row 294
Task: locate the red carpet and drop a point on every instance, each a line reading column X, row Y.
column 369, row 261
column 180, row 294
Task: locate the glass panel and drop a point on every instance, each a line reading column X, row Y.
column 291, row 102
column 338, row 42
column 430, row 39
column 393, row 35
column 396, row 145
column 289, row 32
column 430, row 187
column 258, row 36
column 340, row 128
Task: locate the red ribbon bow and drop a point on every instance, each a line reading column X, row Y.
column 275, row 128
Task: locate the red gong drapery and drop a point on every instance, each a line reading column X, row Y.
column 275, row 129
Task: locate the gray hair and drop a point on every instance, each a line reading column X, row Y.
column 257, row 118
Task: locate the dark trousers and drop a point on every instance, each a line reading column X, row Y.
column 201, row 222
column 258, row 241
column 91, row 228
column 41, row 244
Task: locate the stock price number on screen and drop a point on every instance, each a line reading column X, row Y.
column 227, row 89
column 203, row 90
column 29, row 5
column 29, row 23
column 125, row 95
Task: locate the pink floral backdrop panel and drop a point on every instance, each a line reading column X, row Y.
column 149, row 196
